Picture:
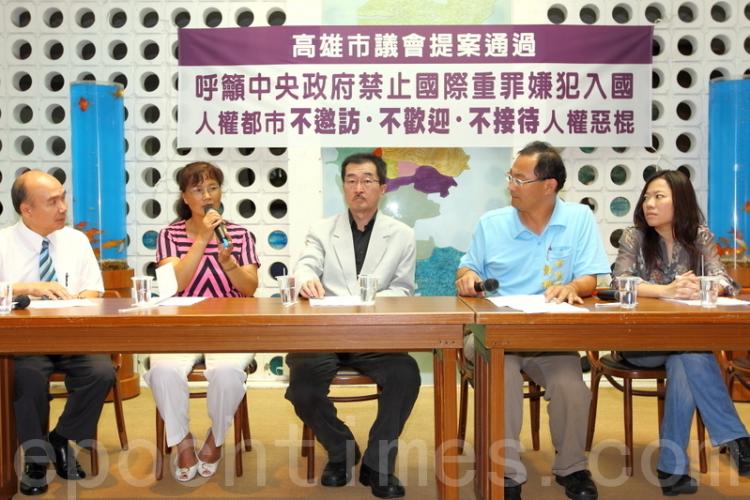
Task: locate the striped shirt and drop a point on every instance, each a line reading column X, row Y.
column 209, row 279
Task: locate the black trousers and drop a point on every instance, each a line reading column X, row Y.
column 88, row 379
column 397, row 374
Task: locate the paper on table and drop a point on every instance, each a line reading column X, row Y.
column 166, row 301
column 181, row 301
column 534, row 304
column 721, row 301
column 55, row 304
column 167, row 280
column 343, row 300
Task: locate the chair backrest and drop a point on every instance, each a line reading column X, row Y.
column 198, row 373
column 737, row 365
column 349, row 376
column 742, row 366
column 613, row 365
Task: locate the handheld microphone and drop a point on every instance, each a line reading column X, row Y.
column 608, row 295
column 21, row 301
column 488, row 285
column 220, row 231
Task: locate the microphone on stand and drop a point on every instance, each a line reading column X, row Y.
column 21, row 301
column 608, row 294
column 220, row 231
column 488, row 285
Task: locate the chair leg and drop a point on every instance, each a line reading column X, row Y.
column 731, row 377
column 628, row 404
column 595, row 379
column 701, row 428
column 463, row 404
column 308, row 451
column 303, row 448
column 660, row 389
column 160, row 444
column 246, row 425
column 730, row 386
column 534, row 411
column 730, row 382
column 94, row 455
column 119, row 416
column 238, row 441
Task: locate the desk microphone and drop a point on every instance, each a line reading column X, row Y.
column 21, row 301
column 220, row 230
column 488, row 285
column 608, row 295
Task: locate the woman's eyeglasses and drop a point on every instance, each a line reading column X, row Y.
column 198, row 190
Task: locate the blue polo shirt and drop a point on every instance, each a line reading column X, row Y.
column 526, row 263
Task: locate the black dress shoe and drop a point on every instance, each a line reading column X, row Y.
column 65, row 462
column 34, row 479
column 739, row 453
column 381, row 485
column 676, row 484
column 512, row 490
column 339, row 473
column 578, row 485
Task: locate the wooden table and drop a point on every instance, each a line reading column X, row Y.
column 241, row 325
column 653, row 325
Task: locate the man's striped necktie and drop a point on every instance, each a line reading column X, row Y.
column 46, row 268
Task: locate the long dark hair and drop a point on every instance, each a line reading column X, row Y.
column 686, row 219
column 194, row 174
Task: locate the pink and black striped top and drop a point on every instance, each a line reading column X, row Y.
column 209, row 279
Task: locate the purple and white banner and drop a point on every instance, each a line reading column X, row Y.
column 415, row 86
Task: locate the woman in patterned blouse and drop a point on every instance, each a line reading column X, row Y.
column 668, row 248
column 204, row 268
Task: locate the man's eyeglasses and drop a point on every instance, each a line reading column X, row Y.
column 366, row 183
column 520, row 182
column 211, row 190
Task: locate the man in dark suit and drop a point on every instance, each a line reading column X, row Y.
column 337, row 250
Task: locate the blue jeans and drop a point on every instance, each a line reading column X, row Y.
column 693, row 381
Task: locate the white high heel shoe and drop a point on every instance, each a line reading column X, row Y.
column 185, row 474
column 208, row 469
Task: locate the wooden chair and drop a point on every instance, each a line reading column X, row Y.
column 116, row 398
column 242, row 438
column 345, row 376
column 612, row 369
column 534, row 395
column 116, row 401
column 737, row 369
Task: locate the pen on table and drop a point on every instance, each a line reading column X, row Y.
column 599, row 305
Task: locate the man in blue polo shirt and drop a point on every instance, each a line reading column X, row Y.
column 540, row 244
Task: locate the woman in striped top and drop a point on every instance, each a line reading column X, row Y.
column 204, row 268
